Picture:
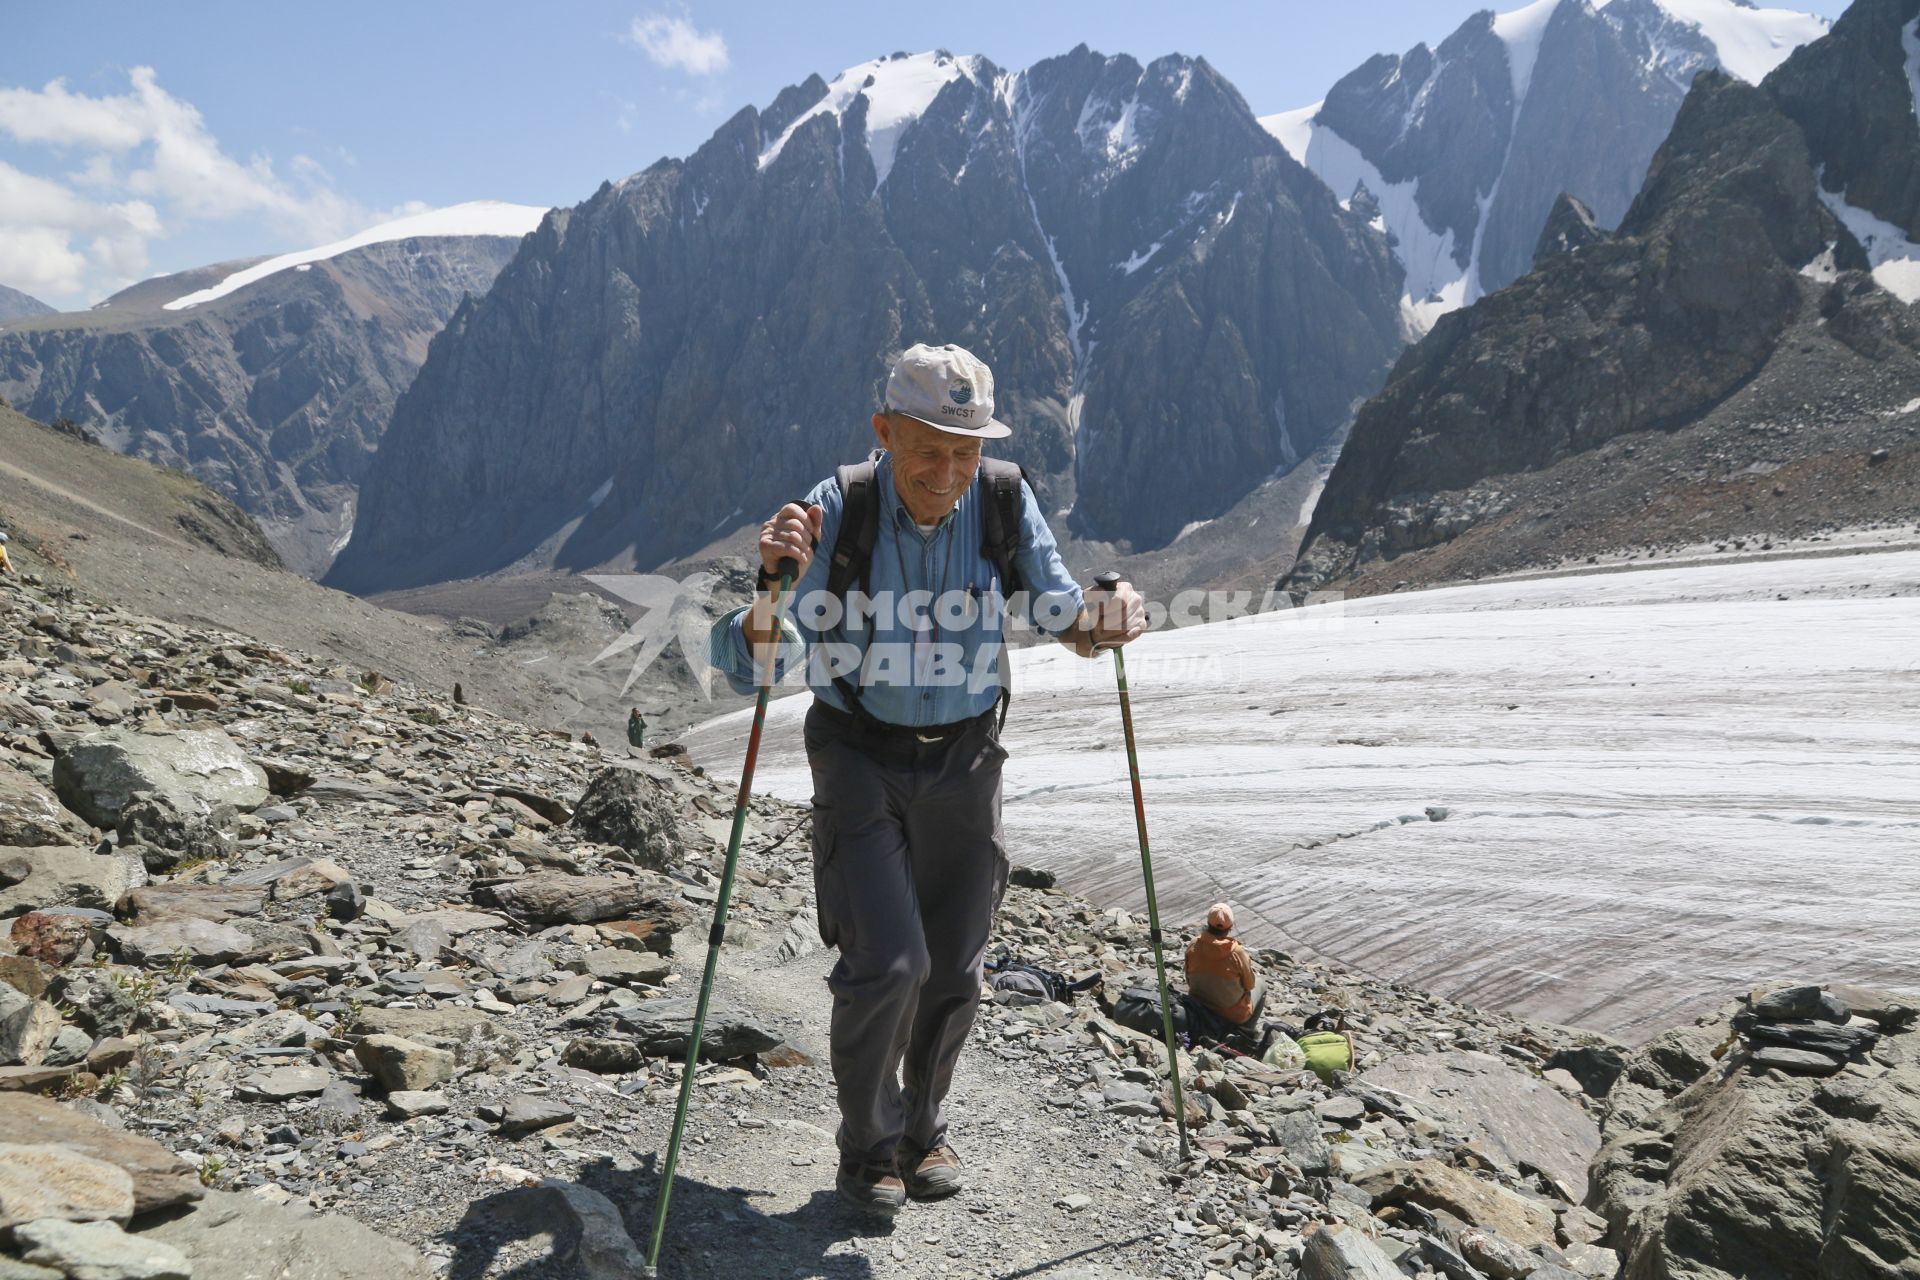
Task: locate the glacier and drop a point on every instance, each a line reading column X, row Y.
column 1609, row 800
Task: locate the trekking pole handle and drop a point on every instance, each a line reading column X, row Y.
column 1109, row 581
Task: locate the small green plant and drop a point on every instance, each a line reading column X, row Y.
column 99, row 960
column 197, row 1096
column 111, row 1081
column 180, row 965
column 299, row 686
column 424, row 715
column 210, row 1169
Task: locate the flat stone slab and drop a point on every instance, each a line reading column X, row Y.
column 50, row 1181
column 241, row 1237
column 159, row 903
column 100, row 1251
column 526, row 1113
column 203, row 942
column 59, row 876
column 283, row 1083
column 160, row 1178
column 1517, row 1117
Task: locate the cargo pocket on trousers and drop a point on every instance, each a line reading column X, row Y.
column 827, row 897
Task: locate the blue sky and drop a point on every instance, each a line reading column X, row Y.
column 258, row 128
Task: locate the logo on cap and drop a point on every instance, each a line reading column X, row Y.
column 960, row 392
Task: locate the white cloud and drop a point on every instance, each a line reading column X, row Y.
column 676, row 42
column 149, row 165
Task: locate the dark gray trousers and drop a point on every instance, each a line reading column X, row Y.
column 908, row 870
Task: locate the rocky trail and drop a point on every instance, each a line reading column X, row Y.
column 308, row 974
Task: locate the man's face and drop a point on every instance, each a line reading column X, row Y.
column 931, row 468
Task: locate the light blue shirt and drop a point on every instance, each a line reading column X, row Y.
column 921, row 660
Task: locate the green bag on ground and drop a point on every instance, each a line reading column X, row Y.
column 1327, row 1052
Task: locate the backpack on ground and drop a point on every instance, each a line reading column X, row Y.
column 1326, row 1045
column 1138, row 1009
column 1006, row 974
column 852, row 559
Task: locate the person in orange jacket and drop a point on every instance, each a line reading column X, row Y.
column 1220, row 973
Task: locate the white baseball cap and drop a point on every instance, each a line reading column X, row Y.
column 946, row 387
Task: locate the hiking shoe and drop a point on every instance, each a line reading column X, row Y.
column 870, row 1185
column 930, row 1174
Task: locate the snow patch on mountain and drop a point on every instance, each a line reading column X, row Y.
column 898, row 90
column 475, row 218
column 1895, row 259
column 1436, row 283
column 1522, row 30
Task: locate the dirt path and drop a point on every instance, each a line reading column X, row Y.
column 755, row 1195
column 89, row 504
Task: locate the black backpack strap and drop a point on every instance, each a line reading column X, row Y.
column 852, row 557
column 859, row 527
column 1000, row 543
column 1000, row 520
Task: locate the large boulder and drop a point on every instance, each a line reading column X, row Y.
column 626, row 808
column 1517, row 1118
column 30, row 814
column 662, row 1028
column 196, row 769
column 1748, row 1170
column 61, row 876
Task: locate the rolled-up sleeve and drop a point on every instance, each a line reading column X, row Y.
column 727, row 647
column 731, row 655
column 1055, row 599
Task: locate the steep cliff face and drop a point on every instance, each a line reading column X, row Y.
column 1465, row 148
column 1731, row 246
column 1172, row 307
column 276, row 393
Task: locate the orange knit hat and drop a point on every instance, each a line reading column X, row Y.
column 1220, row 918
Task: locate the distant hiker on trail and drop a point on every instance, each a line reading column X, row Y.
column 586, row 736
column 6, row 565
column 636, row 729
column 903, row 739
column 1221, row 975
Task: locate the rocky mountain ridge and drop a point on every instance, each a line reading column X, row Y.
column 1731, row 320
column 1173, row 307
column 275, row 394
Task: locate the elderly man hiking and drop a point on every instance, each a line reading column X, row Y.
column 901, row 626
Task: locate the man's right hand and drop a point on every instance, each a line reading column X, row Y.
column 790, row 534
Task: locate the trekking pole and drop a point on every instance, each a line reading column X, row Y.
column 789, row 567
column 1108, row 582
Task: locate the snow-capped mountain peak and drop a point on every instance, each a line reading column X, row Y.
column 1465, row 162
column 898, row 90
column 474, row 218
column 1748, row 42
